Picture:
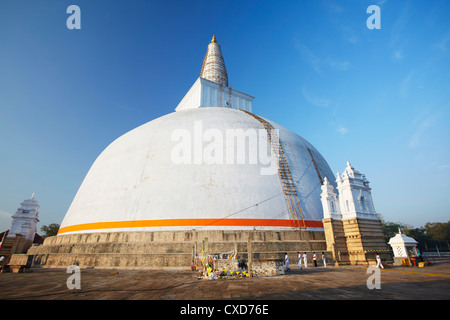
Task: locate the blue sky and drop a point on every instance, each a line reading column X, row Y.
column 378, row 98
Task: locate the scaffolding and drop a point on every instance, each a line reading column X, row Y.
column 213, row 67
column 284, row 173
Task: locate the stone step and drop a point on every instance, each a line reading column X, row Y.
column 7, row 246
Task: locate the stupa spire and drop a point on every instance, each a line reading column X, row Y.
column 213, row 67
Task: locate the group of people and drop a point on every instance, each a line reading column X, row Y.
column 303, row 260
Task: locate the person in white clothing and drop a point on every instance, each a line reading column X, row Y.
column 379, row 264
column 324, row 259
column 286, row 262
column 299, row 256
column 305, row 260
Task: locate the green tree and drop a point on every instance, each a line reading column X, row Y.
column 417, row 233
column 432, row 236
column 438, row 230
column 390, row 229
column 50, row 230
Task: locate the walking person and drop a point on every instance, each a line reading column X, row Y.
column 2, row 258
column 379, row 264
column 324, row 259
column 305, row 260
column 299, row 256
column 315, row 259
column 286, row 261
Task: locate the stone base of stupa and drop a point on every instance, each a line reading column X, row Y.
column 169, row 249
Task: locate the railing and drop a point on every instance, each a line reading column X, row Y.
column 436, row 254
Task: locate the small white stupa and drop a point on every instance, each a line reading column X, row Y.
column 404, row 247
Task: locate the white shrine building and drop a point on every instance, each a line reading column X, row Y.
column 22, row 232
column 354, row 199
column 352, row 226
column 25, row 220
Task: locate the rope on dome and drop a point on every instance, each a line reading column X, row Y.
column 272, row 197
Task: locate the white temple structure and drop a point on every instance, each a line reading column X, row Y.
column 353, row 200
column 211, row 165
column 22, row 232
column 211, row 172
column 352, row 227
column 25, row 219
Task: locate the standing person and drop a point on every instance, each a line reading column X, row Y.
column 286, row 261
column 379, row 264
column 315, row 259
column 419, row 254
column 305, row 260
column 299, row 256
column 324, row 259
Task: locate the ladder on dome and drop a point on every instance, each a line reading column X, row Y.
column 284, row 172
column 315, row 166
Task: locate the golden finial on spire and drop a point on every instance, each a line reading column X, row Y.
column 213, row 39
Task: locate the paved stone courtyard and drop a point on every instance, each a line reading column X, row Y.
column 331, row 283
column 171, row 291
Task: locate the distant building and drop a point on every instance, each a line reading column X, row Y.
column 22, row 234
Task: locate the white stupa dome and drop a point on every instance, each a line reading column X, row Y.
column 181, row 172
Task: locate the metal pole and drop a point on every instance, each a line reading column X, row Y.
column 250, row 256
